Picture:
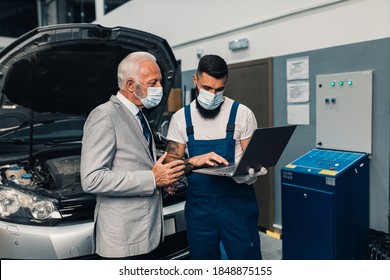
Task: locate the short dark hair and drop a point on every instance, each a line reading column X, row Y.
column 213, row 65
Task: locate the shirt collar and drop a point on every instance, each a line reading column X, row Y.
column 128, row 104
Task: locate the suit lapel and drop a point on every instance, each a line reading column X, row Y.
column 128, row 118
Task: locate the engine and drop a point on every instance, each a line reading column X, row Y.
column 57, row 175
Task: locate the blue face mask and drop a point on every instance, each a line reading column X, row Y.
column 209, row 100
column 153, row 98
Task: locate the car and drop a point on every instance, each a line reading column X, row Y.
column 50, row 79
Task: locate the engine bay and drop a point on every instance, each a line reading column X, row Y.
column 57, row 177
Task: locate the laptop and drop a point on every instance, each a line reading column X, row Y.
column 264, row 150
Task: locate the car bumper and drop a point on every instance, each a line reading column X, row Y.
column 70, row 241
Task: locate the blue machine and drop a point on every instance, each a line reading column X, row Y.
column 325, row 200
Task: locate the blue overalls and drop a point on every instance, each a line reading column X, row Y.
column 217, row 208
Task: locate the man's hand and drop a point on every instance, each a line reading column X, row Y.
column 209, row 159
column 176, row 151
column 251, row 178
column 167, row 174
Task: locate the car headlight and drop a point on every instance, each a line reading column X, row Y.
column 9, row 203
column 24, row 206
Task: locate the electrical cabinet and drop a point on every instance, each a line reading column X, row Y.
column 344, row 111
column 325, row 212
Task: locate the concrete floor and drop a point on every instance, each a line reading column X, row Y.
column 271, row 247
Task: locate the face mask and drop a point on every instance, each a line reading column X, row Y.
column 208, row 100
column 153, row 98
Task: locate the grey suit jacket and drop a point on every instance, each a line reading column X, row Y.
column 116, row 165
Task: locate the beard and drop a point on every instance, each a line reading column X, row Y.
column 208, row 114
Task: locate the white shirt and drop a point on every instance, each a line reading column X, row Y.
column 131, row 106
column 211, row 129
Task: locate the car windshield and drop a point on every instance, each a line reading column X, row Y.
column 50, row 130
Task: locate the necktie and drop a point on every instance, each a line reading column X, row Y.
column 144, row 125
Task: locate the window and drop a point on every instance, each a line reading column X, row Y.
column 66, row 11
column 20, row 16
column 17, row 17
column 110, row 5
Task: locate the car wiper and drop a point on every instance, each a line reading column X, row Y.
column 13, row 130
column 14, row 141
column 25, row 142
column 9, row 139
column 66, row 140
column 19, row 141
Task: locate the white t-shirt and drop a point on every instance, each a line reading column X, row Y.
column 211, row 129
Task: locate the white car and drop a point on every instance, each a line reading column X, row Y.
column 50, row 79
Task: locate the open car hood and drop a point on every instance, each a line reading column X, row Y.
column 72, row 68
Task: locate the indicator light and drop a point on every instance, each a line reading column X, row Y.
column 332, row 84
column 341, row 83
column 350, row 82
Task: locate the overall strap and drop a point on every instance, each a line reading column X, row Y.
column 189, row 126
column 232, row 120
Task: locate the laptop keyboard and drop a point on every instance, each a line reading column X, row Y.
column 226, row 169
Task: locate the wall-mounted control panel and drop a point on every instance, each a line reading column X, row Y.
column 344, row 111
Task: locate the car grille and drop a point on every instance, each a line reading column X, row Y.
column 82, row 209
column 77, row 209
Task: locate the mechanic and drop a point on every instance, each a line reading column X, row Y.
column 216, row 130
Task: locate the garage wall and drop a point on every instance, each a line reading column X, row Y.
column 5, row 41
column 273, row 28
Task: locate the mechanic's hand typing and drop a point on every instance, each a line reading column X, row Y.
column 209, row 159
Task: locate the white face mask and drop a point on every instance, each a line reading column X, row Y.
column 209, row 100
column 153, row 98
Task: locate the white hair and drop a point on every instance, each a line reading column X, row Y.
column 129, row 66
